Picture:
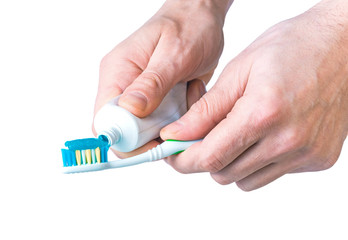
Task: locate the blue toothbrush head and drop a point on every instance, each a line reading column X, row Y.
column 85, row 151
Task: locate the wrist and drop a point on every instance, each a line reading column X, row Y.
column 220, row 7
column 332, row 18
column 216, row 8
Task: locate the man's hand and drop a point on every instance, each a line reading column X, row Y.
column 279, row 107
column 181, row 42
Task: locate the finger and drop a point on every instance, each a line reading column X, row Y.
column 268, row 150
column 229, row 139
column 268, row 174
column 195, row 90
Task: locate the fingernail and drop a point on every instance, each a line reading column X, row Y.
column 136, row 99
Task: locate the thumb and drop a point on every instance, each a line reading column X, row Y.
column 202, row 117
column 167, row 65
column 146, row 92
column 211, row 108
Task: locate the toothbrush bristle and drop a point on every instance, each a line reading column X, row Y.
column 78, row 157
column 88, row 156
column 97, row 154
column 84, row 152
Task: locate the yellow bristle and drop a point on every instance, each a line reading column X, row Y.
column 78, row 157
column 97, row 154
column 88, row 156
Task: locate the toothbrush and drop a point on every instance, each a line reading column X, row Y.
column 86, row 155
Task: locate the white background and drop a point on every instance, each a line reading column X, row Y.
column 49, row 59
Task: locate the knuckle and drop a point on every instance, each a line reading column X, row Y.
column 169, row 24
column 294, row 139
column 321, row 160
column 328, row 163
column 153, row 81
column 105, row 62
column 211, row 163
column 269, row 114
column 201, row 106
column 204, row 107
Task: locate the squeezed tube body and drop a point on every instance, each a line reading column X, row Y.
column 126, row 132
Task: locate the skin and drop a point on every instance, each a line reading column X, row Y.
column 163, row 52
column 281, row 106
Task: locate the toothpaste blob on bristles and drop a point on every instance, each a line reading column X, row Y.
column 85, row 151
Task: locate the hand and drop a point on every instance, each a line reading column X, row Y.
column 181, row 42
column 279, row 107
